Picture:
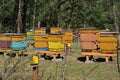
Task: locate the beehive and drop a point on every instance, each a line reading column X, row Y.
column 5, row 38
column 108, row 42
column 89, row 38
column 89, row 35
column 18, row 38
column 55, row 37
column 41, row 37
column 30, row 37
column 41, row 44
column 30, row 33
column 55, row 29
column 88, row 45
column 5, row 44
column 18, row 45
column 40, row 31
column 56, row 46
column 68, row 36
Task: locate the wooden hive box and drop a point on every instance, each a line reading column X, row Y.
column 55, row 29
column 108, row 42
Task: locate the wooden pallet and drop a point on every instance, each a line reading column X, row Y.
column 87, row 54
column 48, row 52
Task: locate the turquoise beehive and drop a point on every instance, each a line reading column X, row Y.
column 18, row 45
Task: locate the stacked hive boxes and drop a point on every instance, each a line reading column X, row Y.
column 89, row 39
column 52, row 41
column 5, row 41
column 68, row 36
column 108, row 42
column 30, row 37
column 40, row 39
column 55, row 39
column 18, row 41
column 41, row 42
column 55, row 42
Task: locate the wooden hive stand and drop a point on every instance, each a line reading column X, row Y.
column 40, row 52
column 107, row 56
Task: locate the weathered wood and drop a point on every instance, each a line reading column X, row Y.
column 87, row 54
column 48, row 52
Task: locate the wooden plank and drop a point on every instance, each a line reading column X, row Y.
column 98, row 54
column 48, row 52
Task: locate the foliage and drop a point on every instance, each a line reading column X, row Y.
column 60, row 13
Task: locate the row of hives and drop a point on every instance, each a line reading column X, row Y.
column 42, row 41
column 97, row 40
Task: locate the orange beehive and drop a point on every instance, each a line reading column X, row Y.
column 89, row 38
column 88, row 45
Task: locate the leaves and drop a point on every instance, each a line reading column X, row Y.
column 63, row 13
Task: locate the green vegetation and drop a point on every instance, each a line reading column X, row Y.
column 75, row 69
column 27, row 14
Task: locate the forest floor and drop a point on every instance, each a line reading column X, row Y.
column 18, row 68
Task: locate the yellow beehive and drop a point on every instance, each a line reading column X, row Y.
column 56, row 46
column 40, row 38
column 107, row 39
column 108, row 46
column 55, row 29
column 18, row 37
column 41, row 44
column 55, row 37
column 68, row 36
column 5, row 38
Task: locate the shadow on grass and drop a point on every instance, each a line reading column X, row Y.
column 46, row 57
column 82, row 59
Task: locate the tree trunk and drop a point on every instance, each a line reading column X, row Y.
column 39, row 23
column 16, row 8
column 24, row 15
column 1, row 25
column 34, row 12
column 117, row 30
column 19, row 19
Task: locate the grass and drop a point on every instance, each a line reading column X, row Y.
column 75, row 68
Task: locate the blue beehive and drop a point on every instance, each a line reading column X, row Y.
column 18, row 45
